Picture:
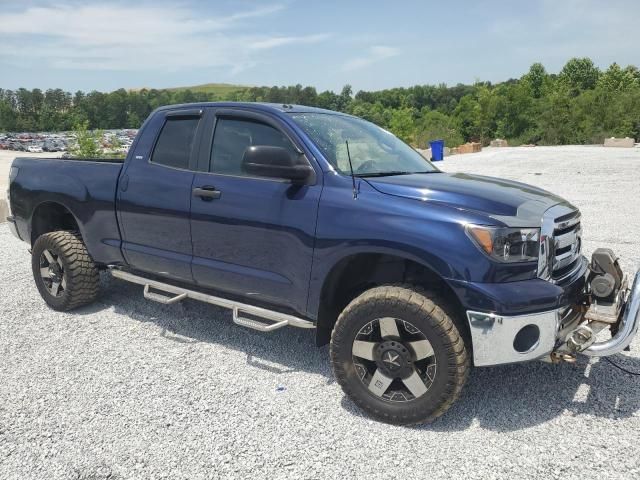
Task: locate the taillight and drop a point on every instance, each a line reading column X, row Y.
column 13, row 173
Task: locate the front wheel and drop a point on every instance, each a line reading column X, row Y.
column 64, row 272
column 398, row 355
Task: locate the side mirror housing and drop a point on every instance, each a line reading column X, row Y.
column 275, row 162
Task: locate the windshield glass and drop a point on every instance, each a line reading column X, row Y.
column 374, row 151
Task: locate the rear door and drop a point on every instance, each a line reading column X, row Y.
column 154, row 197
column 252, row 236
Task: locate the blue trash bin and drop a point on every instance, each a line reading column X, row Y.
column 437, row 150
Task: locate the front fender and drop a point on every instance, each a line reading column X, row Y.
column 430, row 234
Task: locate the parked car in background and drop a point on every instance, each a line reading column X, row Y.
column 34, row 149
column 59, row 141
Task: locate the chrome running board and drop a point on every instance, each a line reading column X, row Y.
column 266, row 321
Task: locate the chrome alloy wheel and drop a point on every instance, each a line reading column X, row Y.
column 394, row 359
column 52, row 273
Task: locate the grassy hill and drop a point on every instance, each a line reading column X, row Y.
column 221, row 89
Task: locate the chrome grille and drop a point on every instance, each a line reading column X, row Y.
column 560, row 243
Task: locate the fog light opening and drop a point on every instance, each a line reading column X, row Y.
column 527, row 339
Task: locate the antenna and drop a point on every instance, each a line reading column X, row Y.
column 353, row 178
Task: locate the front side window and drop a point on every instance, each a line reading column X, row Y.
column 373, row 151
column 233, row 136
column 174, row 145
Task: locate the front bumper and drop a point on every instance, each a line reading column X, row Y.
column 500, row 339
column 626, row 328
column 564, row 332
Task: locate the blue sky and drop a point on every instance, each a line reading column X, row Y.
column 369, row 44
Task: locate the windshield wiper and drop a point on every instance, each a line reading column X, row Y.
column 390, row 173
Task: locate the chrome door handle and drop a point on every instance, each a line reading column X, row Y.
column 207, row 193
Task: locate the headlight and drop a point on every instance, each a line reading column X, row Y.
column 508, row 245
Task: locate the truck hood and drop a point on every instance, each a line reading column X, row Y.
column 512, row 203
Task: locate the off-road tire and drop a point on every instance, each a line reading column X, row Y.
column 427, row 312
column 80, row 272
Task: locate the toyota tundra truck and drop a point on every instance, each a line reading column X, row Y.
column 296, row 216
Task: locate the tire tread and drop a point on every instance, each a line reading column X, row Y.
column 424, row 303
column 83, row 279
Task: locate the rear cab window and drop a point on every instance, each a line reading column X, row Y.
column 175, row 142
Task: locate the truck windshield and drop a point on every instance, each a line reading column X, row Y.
column 373, row 150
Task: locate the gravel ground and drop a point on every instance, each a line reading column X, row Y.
column 127, row 388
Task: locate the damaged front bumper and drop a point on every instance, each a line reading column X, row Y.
column 558, row 334
column 625, row 325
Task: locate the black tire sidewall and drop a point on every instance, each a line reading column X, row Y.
column 47, row 242
column 347, row 328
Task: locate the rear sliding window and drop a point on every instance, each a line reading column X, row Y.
column 175, row 143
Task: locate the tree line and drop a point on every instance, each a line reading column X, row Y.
column 580, row 105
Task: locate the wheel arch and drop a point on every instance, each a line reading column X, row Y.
column 49, row 216
column 353, row 274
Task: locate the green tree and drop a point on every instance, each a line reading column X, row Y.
column 467, row 115
column 556, row 120
column 344, row 99
column 87, row 142
column 579, row 74
column 515, row 113
column 434, row 125
column 488, row 101
column 536, row 79
column 579, row 105
column 401, row 124
column 615, row 79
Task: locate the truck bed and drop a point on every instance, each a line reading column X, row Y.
column 86, row 187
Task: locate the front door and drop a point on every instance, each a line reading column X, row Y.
column 253, row 237
column 154, row 197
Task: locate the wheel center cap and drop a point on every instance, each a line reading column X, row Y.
column 393, row 358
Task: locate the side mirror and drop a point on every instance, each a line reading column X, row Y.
column 275, row 162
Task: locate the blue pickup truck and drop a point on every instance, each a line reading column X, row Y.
column 290, row 215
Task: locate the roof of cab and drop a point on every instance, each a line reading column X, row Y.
column 261, row 106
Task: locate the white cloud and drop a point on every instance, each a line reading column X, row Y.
column 136, row 37
column 281, row 41
column 373, row 55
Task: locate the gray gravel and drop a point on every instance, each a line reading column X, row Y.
column 127, row 388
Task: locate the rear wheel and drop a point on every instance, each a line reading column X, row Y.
column 398, row 355
column 64, row 272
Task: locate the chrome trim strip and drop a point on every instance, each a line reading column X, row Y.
column 564, row 260
column 566, row 240
column 627, row 329
column 581, row 266
column 547, row 261
column 493, row 336
column 569, row 223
